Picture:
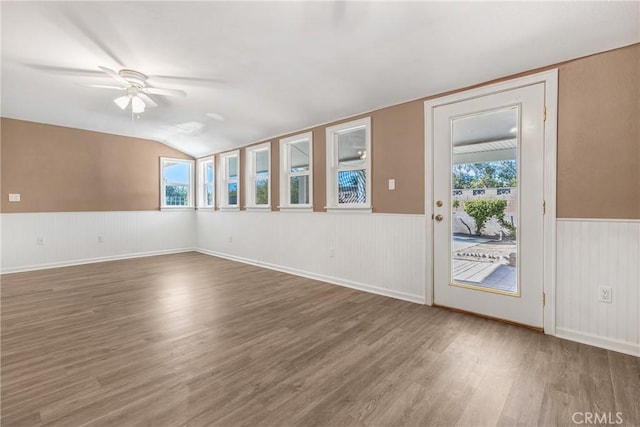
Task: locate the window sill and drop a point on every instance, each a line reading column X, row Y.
column 207, row 209
column 258, row 208
column 349, row 209
column 295, row 208
column 177, row 208
column 229, row 208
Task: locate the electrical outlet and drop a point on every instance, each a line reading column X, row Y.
column 40, row 241
column 332, row 253
column 100, row 239
column 604, row 294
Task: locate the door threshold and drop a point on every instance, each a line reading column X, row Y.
column 497, row 319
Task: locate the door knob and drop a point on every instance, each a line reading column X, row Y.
column 439, row 203
column 439, row 217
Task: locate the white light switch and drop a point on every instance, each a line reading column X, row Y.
column 392, row 184
column 14, row 197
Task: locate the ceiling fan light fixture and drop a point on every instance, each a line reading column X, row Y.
column 136, row 91
column 122, row 102
column 137, row 105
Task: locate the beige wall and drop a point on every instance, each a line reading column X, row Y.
column 599, row 136
column 58, row 169
column 62, row 169
column 398, row 152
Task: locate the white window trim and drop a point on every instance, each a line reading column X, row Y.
column 201, row 197
column 285, row 175
column 332, row 166
column 250, row 187
column 190, row 194
column 224, row 180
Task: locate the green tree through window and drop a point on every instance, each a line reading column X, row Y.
column 496, row 174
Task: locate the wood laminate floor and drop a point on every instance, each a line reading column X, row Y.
column 190, row 339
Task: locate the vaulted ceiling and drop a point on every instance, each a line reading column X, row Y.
column 269, row 68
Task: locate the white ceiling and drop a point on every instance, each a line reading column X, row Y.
column 275, row 67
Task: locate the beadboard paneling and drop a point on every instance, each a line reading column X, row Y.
column 378, row 253
column 593, row 253
column 384, row 254
column 73, row 237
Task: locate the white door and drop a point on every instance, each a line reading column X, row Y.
column 488, row 158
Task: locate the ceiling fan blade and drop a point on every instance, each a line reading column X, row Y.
column 167, row 92
column 147, row 100
column 115, row 75
column 189, row 79
column 105, row 86
column 216, row 116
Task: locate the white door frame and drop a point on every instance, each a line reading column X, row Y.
column 550, row 80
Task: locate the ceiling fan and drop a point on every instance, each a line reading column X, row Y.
column 136, row 91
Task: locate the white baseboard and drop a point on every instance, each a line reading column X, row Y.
column 333, row 280
column 598, row 341
column 35, row 267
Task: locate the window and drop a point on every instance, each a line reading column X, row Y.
column 176, row 180
column 258, row 176
column 229, row 180
column 206, row 192
column 296, row 171
column 349, row 165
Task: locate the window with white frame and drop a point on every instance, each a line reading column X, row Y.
column 206, row 188
column 176, row 181
column 258, row 176
column 349, row 165
column 229, row 179
column 296, row 171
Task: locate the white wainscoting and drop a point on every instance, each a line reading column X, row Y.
column 70, row 238
column 593, row 253
column 379, row 253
